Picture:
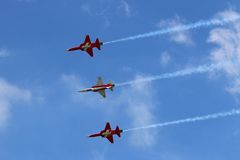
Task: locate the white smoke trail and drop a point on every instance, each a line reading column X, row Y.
column 201, row 23
column 190, row 120
column 184, row 72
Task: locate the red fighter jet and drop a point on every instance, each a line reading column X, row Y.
column 88, row 46
column 100, row 87
column 108, row 133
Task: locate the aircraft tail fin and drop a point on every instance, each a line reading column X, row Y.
column 118, row 131
column 110, row 82
column 98, row 44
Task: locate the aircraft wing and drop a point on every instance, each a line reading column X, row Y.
column 87, row 39
column 108, row 127
column 90, row 51
column 102, row 92
column 99, row 82
column 110, row 138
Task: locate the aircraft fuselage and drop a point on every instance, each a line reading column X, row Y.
column 105, row 133
column 84, row 47
column 102, row 87
column 98, row 88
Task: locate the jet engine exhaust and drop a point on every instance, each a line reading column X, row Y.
column 198, row 24
column 184, row 72
column 233, row 112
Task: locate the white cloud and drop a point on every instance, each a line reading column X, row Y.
column 106, row 23
column 228, row 51
column 4, row 53
column 165, row 58
column 125, row 7
column 9, row 94
column 181, row 37
column 106, row 10
column 141, row 104
column 72, row 81
column 86, row 8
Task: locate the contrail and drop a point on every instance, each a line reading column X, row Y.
column 201, row 23
column 189, row 120
column 184, row 72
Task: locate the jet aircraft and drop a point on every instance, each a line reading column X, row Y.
column 108, row 133
column 88, row 46
column 100, row 87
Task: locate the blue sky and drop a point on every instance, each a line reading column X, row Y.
column 43, row 117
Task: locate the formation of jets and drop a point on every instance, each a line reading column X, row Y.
column 100, row 87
